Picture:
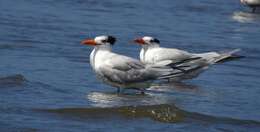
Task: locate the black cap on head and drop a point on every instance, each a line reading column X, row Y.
column 111, row 40
column 156, row 40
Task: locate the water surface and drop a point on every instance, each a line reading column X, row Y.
column 46, row 82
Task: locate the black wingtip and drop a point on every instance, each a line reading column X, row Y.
column 233, row 57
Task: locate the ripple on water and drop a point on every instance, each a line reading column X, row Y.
column 14, row 46
column 167, row 113
column 162, row 113
column 12, row 80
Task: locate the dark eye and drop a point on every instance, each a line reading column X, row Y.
column 103, row 41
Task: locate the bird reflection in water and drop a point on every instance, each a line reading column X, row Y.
column 156, row 94
column 99, row 99
column 154, row 104
column 246, row 17
column 176, row 86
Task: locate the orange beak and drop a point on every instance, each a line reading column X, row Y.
column 139, row 41
column 89, row 42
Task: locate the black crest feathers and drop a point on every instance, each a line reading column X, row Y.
column 111, row 40
column 156, row 40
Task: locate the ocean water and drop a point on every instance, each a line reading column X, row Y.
column 46, row 82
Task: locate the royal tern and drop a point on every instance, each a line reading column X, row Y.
column 151, row 53
column 121, row 71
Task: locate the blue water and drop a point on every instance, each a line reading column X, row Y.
column 46, row 82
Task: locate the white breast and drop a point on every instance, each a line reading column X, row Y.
column 142, row 55
column 92, row 58
column 98, row 57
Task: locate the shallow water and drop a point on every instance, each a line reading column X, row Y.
column 46, row 82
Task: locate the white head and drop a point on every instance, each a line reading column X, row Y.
column 147, row 41
column 100, row 41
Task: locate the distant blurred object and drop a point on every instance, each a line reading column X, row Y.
column 246, row 17
column 251, row 3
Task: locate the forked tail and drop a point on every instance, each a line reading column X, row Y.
column 228, row 56
column 220, row 57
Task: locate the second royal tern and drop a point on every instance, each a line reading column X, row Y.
column 151, row 53
column 121, row 71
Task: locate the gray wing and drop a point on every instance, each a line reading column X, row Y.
column 125, row 76
column 175, row 55
column 123, row 63
column 123, row 69
column 190, row 64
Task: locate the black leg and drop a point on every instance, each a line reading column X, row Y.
column 118, row 90
column 253, row 10
column 142, row 91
